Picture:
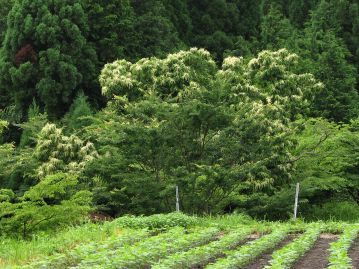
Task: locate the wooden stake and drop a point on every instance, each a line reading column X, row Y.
column 296, row 202
column 177, row 200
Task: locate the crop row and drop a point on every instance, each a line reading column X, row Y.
column 202, row 254
column 250, row 251
column 180, row 248
column 286, row 256
column 158, row 221
column 76, row 255
column 145, row 253
column 338, row 258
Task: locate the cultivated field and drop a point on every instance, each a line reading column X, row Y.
column 178, row 241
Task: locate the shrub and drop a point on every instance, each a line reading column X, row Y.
column 54, row 201
column 159, row 221
column 335, row 210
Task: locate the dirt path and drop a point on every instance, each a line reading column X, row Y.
column 263, row 260
column 354, row 254
column 317, row 257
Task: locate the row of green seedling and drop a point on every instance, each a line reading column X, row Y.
column 76, row 255
column 158, row 221
column 249, row 252
column 203, row 254
column 285, row 257
column 338, row 257
column 145, row 253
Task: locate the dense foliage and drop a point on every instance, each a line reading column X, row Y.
column 46, row 55
column 182, row 121
column 234, row 101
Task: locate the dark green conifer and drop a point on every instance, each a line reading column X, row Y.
column 46, row 55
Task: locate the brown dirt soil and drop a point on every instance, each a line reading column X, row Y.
column 263, row 260
column 317, row 257
column 354, row 254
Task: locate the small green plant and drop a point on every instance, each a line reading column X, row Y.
column 158, row 221
column 82, row 251
column 247, row 253
column 286, row 256
column 338, row 258
column 201, row 255
column 148, row 252
column 208, row 244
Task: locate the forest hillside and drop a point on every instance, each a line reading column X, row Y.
column 107, row 106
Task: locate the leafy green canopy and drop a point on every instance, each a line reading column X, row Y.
column 326, row 166
column 182, row 120
column 52, row 202
column 57, row 152
column 45, row 187
column 327, row 56
column 326, row 43
column 47, row 151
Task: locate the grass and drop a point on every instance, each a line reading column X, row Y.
column 16, row 252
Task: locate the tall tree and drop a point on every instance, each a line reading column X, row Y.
column 179, row 14
column 276, row 30
column 156, row 33
column 249, row 17
column 111, row 28
column 341, row 18
column 182, row 120
column 215, row 24
column 46, row 55
column 6, row 6
column 299, row 11
column 326, row 56
column 78, row 114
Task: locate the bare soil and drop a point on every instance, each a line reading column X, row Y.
column 354, row 254
column 317, row 257
column 263, row 260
